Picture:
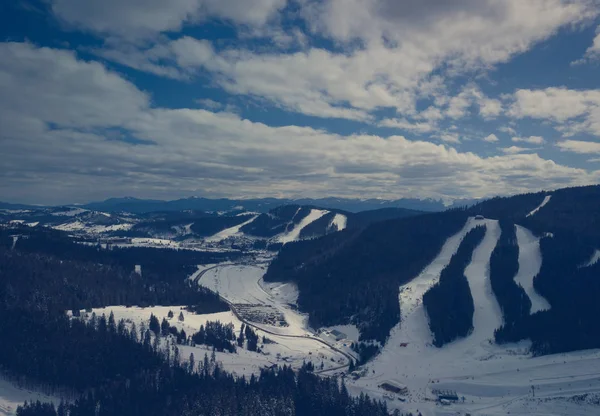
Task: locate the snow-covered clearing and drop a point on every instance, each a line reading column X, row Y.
column 530, row 261
column 69, row 213
column 593, row 260
column 243, row 285
column 284, row 350
column 92, row 229
column 229, row 232
column 544, row 202
column 257, row 301
column 351, row 331
column 282, row 292
column 294, row 234
column 12, row 396
column 339, row 222
column 154, row 242
column 493, row 379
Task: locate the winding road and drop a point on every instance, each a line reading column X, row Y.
column 313, row 337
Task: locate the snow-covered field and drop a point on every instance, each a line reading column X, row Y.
column 12, row 396
column 285, row 350
column 494, row 380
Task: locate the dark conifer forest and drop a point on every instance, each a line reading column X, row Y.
column 449, row 303
column 355, row 274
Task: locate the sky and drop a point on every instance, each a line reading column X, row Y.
column 439, row 99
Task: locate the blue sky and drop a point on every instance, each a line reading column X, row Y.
column 354, row 98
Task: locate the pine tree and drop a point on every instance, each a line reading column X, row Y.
column 154, row 324
column 112, row 327
column 181, row 318
column 170, row 314
column 164, row 327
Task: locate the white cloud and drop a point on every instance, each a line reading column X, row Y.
column 389, row 54
column 492, row 138
column 416, row 127
column 593, row 52
column 53, row 86
column 514, row 150
column 574, row 111
column 449, row 137
column 146, row 18
column 470, row 95
column 81, row 145
column 530, row 140
column 508, row 129
column 579, row 146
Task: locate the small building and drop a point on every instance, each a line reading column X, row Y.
column 404, row 344
column 446, row 395
column 338, row 335
column 394, row 387
column 479, row 217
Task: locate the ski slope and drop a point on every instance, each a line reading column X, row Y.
column 530, row 261
column 229, row 232
column 488, row 315
column 593, row 260
column 493, row 379
column 294, row 234
column 544, row 202
column 339, row 221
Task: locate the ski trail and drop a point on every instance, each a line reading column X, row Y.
column 488, row 315
column 593, row 260
column 544, row 202
column 229, row 232
column 339, row 221
column 293, row 235
column 530, row 261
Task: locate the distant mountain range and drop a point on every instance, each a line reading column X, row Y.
column 135, row 205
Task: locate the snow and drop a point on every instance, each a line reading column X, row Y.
column 293, row 235
column 153, row 242
column 15, row 238
column 284, row 350
column 494, row 379
column 12, row 396
column 282, row 292
column 243, row 285
column 92, row 229
column 351, row 331
column 488, row 315
column 339, row 222
column 138, row 269
column 69, row 213
column 229, row 232
column 593, row 260
column 544, row 202
column 530, row 262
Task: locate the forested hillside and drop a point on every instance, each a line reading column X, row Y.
column 449, row 303
column 107, row 368
column 354, row 275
